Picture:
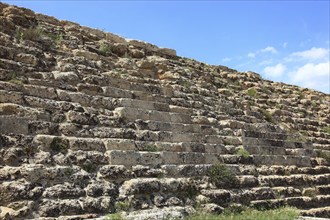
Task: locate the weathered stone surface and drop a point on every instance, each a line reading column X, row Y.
column 92, row 123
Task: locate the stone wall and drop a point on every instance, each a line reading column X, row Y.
column 92, row 123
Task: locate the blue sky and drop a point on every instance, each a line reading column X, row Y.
column 285, row 41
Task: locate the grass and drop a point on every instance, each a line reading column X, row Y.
column 31, row 33
column 35, row 33
column 58, row 145
column 285, row 213
column 221, row 176
column 15, row 80
column 104, row 49
column 326, row 129
column 268, row 117
column 324, row 154
column 122, row 206
column 242, row 153
column 152, row 148
column 252, row 92
column 114, row 216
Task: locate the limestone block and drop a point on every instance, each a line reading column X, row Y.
column 87, row 54
column 102, row 204
column 40, row 91
column 152, row 159
column 171, row 158
column 14, row 125
column 63, row 191
column 11, row 97
column 140, row 186
column 167, row 51
column 120, row 49
column 115, row 172
column 90, row 89
column 116, row 93
column 127, row 158
column 27, row 59
column 86, row 144
column 101, row 188
column 58, row 207
column 66, row 76
column 119, row 144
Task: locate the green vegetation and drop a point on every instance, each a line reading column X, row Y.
column 122, row 206
column 31, row 33
column 15, row 80
column 186, row 84
column 89, row 167
column 252, row 92
column 242, row 152
column 286, row 213
column 114, row 216
column 35, row 33
column 324, row 154
column 152, row 148
column 58, row 145
column 297, row 137
column 221, row 176
column 326, row 129
column 268, row 117
column 104, row 49
column 190, row 190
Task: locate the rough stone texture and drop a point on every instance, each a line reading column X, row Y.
column 92, row 123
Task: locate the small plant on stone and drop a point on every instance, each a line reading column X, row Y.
column 186, row 84
column 104, row 49
column 326, row 129
column 268, row 117
column 31, row 33
column 252, row 92
column 122, row 206
column 324, row 154
column 152, row 148
column 242, row 152
column 221, row 176
column 15, row 80
column 114, row 216
column 89, row 167
column 58, row 145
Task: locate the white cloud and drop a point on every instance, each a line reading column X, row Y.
column 275, row 71
column 268, row 49
column 226, row 59
column 251, row 55
column 285, row 44
column 265, row 62
column 312, row 54
column 315, row 76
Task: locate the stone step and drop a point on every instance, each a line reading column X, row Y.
column 287, row 170
column 287, row 160
column 132, row 114
column 298, row 202
column 321, row 146
column 270, row 150
column 276, row 143
column 323, row 212
column 48, row 94
column 117, row 91
column 267, row 135
column 10, row 64
column 295, row 180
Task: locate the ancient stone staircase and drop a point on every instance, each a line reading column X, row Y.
column 87, row 132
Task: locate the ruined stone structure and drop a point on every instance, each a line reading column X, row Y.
column 92, row 123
